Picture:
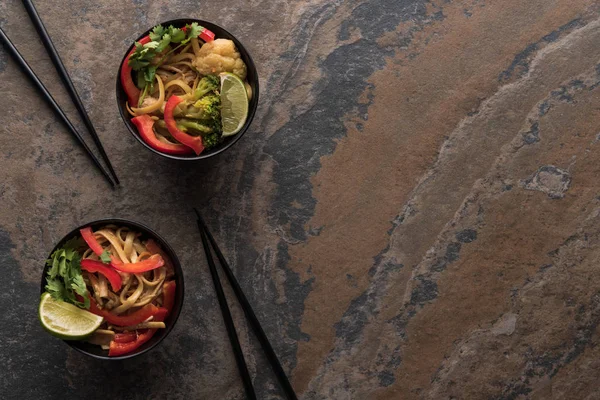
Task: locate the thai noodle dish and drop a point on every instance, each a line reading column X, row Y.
column 110, row 287
column 186, row 90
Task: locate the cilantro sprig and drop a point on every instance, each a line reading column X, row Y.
column 64, row 279
column 145, row 59
column 105, row 257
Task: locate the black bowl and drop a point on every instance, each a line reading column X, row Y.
column 252, row 78
column 147, row 233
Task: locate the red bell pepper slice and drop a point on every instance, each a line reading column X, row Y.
column 155, row 249
column 122, row 348
column 161, row 314
column 150, row 263
column 145, row 124
column 206, row 35
column 88, row 236
column 125, row 337
column 119, row 349
column 169, row 295
column 137, row 317
column 193, row 142
column 131, row 90
column 97, row 266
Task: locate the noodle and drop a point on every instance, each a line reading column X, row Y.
column 171, row 68
column 181, row 56
column 156, row 105
column 181, row 84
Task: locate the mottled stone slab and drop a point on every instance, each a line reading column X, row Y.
column 414, row 212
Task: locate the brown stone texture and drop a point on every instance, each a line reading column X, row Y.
column 414, row 212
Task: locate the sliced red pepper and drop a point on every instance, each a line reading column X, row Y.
column 122, row 348
column 125, row 337
column 145, row 124
column 131, row 90
column 193, row 142
column 90, row 239
column 169, row 295
column 161, row 314
column 97, row 266
column 150, row 263
column 137, row 317
column 119, row 349
column 155, row 249
column 206, row 35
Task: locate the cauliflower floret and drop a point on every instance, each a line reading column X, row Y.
column 218, row 56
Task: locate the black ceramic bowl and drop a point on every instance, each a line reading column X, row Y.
column 147, row 233
column 252, row 79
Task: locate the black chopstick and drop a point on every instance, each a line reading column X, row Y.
column 29, row 72
column 253, row 320
column 64, row 75
column 233, row 338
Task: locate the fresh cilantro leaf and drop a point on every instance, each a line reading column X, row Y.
column 64, row 279
column 78, row 285
column 55, row 288
column 136, row 65
column 141, row 82
column 105, row 257
column 177, row 35
column 149, row 73
column 192, row 31
column 142, row 55
column 163, row 43
column 150, row 45
column 157, row 32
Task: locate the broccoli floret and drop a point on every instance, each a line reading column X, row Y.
column 211, row 134
column 210, row 83
column 207, row 109
column 212, row 139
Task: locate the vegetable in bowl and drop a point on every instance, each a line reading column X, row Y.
column 187, row 91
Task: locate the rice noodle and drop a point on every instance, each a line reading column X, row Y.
column 156, row 105
column 181, row 84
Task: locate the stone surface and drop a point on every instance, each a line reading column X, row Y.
column 414, row 213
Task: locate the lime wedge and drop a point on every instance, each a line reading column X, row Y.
column 65, row 320
column 234, row 103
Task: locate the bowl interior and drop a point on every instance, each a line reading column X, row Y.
column 252, row 78
column 96, row 351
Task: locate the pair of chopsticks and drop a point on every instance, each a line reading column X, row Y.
column 110, row 175
column 253, row 321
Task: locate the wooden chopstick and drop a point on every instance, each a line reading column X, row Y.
column 29, row 72
column 64, row 75
column 233, row 338
column 250, row 315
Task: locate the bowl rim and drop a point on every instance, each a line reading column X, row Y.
column 178, row 273
column 232, row 140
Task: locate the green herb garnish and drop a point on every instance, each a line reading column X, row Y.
column 145, row 60
column 105, row 257
column 64, row 280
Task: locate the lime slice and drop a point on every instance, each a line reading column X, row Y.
column 234, row 103
column 65, row 320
